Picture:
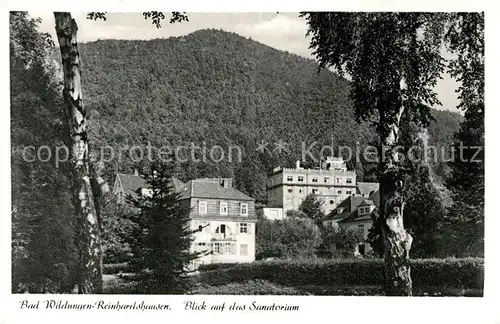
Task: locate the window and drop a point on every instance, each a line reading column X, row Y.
column 217, row 248
column 289, row 200
column 300, row 179
column 202, row 207
column 332, row 202
column 223, row 208
column 348, row 180
column 243, row 228
column 315, row 179
column 289, row 178
column 228, row 248
column 338, row 180
column 221, row 229
column 244, row 209
column 314, row 191
column 339, row 192
column 243, row 249
column 300, row 190
column 200, row 246
column 348, row 192
column 290, row 190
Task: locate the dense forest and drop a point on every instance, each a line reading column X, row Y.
column 213, row 87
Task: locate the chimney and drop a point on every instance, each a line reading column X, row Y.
column 136, row 172
column 298, row 164
column 227, row 182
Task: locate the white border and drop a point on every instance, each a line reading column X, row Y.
column 330, row 309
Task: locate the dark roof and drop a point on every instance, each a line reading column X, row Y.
column 201, row 188
column 366, row 202
column 375, row 197
column 349, row 204
column 131, row 182
column 367, row 188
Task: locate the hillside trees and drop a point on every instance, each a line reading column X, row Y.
column 394, row 60
column 190, row 100
column 44, row 255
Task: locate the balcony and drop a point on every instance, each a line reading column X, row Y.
column 223, row 237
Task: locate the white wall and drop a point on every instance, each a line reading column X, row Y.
column 273, row 213
column 233, row 235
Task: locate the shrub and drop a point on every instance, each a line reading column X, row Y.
column 453, row 273
column 287, row 238
column 115, row 268
column 215, row 266
column 251, row 287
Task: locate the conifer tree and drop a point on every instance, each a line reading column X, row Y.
column 162, row 239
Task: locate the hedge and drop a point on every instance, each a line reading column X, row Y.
column 452, row 272
column 114, row 268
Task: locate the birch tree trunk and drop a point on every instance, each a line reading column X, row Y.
column 90, row 276
column 397, row 241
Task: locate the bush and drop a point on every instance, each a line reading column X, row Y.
column 453, row 273
column 215, row 266
column 287, row 238
column 251, row 287
column 115, row 268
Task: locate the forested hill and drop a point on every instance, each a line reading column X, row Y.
column 222, row 89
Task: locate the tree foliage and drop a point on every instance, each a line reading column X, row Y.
column 216, row 91
column 292, row 237
column 43, row 247
column 466, row 181
column 339, row 239
column 311, row 207
column 161, row 239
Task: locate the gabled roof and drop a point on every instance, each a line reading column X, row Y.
column 367, row 188
column 201, row 188
column 349, row 204
column 354, row 216
column 131, row 182
column 375, row 197
column 366, row 202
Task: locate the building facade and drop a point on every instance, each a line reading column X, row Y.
column 225, row 218
column 331, row 183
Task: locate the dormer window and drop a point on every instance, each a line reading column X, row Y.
column 340, row 210
column 223, row 208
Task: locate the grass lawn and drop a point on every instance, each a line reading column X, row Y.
column 117, row 284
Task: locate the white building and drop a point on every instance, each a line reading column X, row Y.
column 331, row 183
column 225, row 216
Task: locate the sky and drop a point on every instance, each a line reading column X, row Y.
column 283, row 31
